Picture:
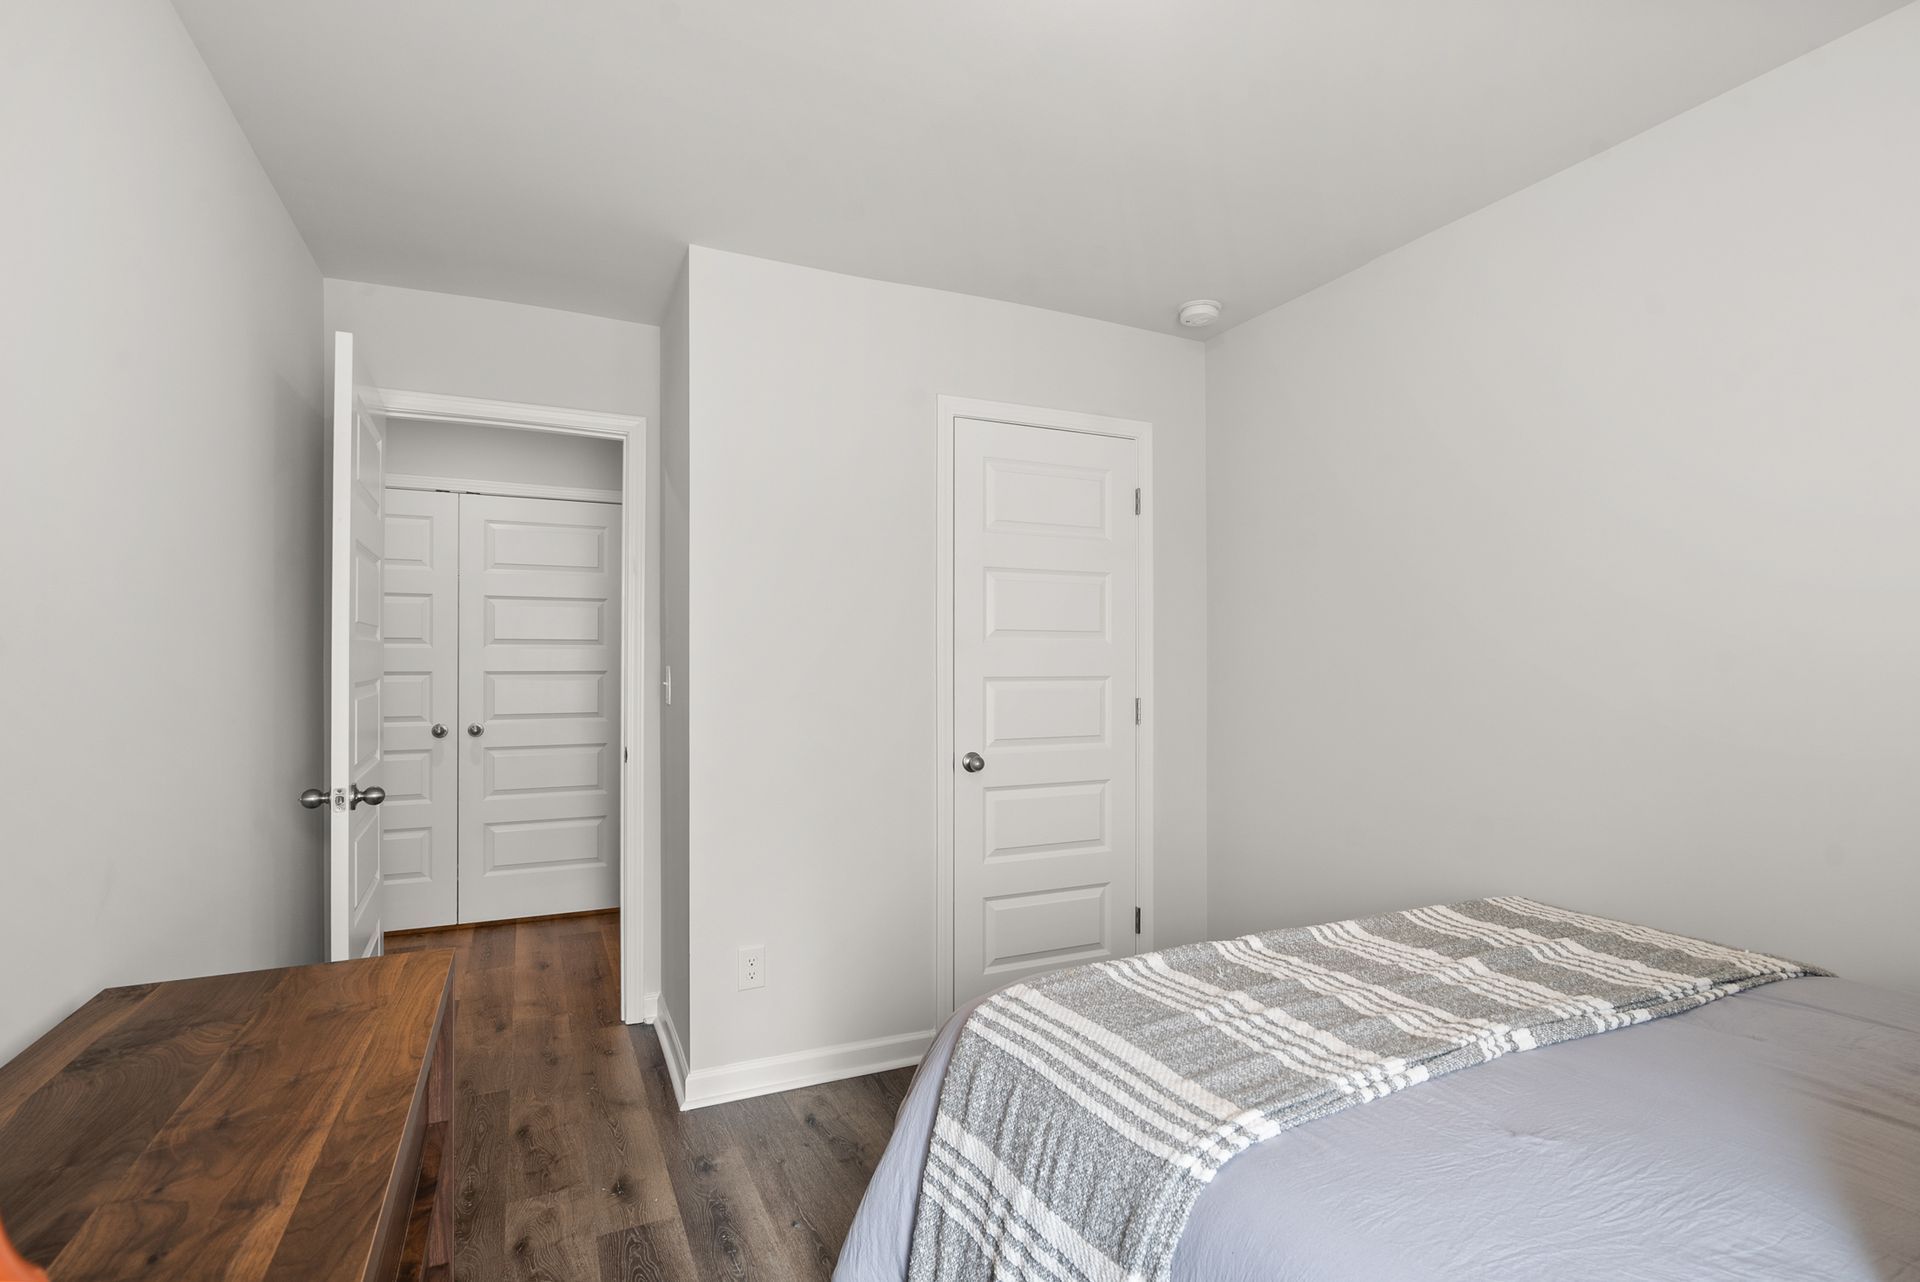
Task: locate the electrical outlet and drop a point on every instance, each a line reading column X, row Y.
column 753, row 966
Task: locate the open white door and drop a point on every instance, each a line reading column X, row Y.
column 355, row 664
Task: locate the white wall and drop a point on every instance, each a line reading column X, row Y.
column 1574, row 550
column 160, row 503
column 419, row 341
column 811, row 616
column 468, row 452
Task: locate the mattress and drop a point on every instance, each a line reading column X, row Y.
column 1773, row 1134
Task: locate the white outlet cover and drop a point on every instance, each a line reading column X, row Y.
column 753, row 966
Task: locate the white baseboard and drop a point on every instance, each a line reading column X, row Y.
column 704, row 1086
column 644, row 1009
column 672, row 1050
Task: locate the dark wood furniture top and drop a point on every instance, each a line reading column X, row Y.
column 271, row 1125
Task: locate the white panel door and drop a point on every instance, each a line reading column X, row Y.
column 355, row 664
column 539, row 695
column 1046, row 579
column 420, row 621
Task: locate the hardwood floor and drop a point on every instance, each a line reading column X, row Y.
column 573, row 1162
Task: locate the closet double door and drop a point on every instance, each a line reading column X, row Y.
column 501, row 727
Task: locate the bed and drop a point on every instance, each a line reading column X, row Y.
column 1772, row 1134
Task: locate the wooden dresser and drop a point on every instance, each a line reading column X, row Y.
column 279, row 1124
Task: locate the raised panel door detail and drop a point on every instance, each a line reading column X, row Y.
column 406, row 858
column 409, row 540
column 363, row 722
column 544, row 695
column 546, row 845
column 1043, row 712
column 544, row 545
column 407, row 617
column 370, row 459
column 566, row 767
column 1064, row 927
column 367, row 597
column 544, row 621
column 407, row 696
column 1035, row 498
column 1038, row 603
column 366, row 864
column 409, row 776
column 1046, row 819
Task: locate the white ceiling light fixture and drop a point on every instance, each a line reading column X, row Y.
column 1200, row 313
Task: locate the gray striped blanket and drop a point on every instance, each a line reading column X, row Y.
column 1083, row 1111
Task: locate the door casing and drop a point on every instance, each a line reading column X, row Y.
column 639, row 911
column 949, row 408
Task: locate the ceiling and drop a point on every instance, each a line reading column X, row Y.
column 1110, row 158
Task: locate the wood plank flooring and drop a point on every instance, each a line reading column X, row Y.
column 575, row 1165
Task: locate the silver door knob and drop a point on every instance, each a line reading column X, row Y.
column 439, row 731
column 476, row 729
column 313, row 799
column 973, row 763
column 371, row 796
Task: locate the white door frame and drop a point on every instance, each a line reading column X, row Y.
column 950, row 408
column 637, row 1002
column 499, row 489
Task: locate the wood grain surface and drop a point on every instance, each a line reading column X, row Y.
column 265, row 1125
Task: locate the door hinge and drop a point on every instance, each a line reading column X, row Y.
column 1136, row 500
column 623, row 755
column 1136, row 921
column 1136, row 712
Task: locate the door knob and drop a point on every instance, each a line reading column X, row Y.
column 439, row 731
column 313, row 799
column 372, row 796
column 973, row 763
column 476, row 729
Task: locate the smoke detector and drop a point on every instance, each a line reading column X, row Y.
column 1200, row 313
